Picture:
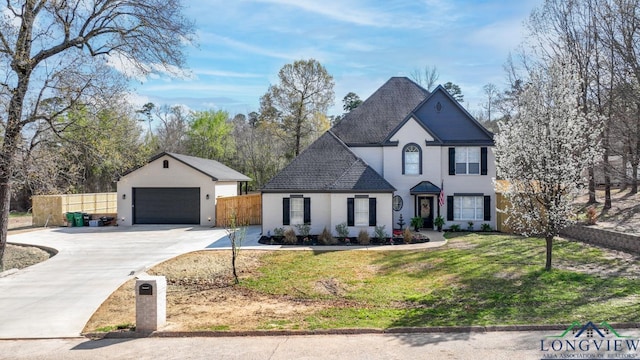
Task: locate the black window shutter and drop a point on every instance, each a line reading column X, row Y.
column 420, row 159
column 483, row 161
column 350, row 212
column 487, row 208
column 372, row 212
column 450, row 208
column 452, row 161
column 404, row 155
column 307, row 210
column 285, row 211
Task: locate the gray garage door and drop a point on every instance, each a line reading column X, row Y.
column 166, row 206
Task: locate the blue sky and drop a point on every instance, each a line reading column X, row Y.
column 242, row 44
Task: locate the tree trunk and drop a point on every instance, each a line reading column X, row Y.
column 7, row 159
column 592, row 186
column 634, row 179
column 624, row 180
column 549, row 240
column 606, row 169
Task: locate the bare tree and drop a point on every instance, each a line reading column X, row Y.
column 53, row 55
column 568, row 29
column 427, row 77
column 305, row 89
column 491, row 92
column 236, row 233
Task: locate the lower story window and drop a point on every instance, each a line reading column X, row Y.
column 297, row 211
column 468, row 208
column 361, row 212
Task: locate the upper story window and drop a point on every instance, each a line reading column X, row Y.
column 412, row 160
column 165, row 164
column 468, row 160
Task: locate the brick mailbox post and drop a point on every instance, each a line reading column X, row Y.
column 151, row 303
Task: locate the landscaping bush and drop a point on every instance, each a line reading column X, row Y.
column 486, row 228
column 592, row 215
column 290, row 237
column 303, row 229
column 278, row 233
column 380, row 234
column 407, row 235
column 342, row 230
column 363, row 237
column 455, row 228
column 325, row 238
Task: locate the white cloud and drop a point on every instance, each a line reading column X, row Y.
column 502, row 35
column 346, row 11
column 221, row 73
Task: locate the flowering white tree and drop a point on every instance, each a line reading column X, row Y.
column 543, row 151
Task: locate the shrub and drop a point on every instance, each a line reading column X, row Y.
column 455, row 227
column 416, row 222
column 325, row 238
column 363, row 237
column 592, row 215
column 380, row 233
column 486, row 227
column 304, row 229
column 278, row 233
column 342, row 230
column 290, row 237
column 407, row 235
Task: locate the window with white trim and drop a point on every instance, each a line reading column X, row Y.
column 361, row 211
column 412, row 160
column 297, row 210
column 468, row 208
column 467, row 160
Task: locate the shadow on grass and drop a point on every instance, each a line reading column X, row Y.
column 501, row 281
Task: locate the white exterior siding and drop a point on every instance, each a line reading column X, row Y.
column 327, row 210
column 226, row 188
column 470, row 184
column 372, row 156
column 176, row 176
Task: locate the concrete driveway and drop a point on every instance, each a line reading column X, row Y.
column 57, row 297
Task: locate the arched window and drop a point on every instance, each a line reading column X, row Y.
column 412, row 160
column 165, row 164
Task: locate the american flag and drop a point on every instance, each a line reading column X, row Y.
column 441, row 198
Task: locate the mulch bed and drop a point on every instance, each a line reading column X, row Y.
column 312, row 240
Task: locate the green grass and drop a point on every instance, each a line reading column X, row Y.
column 477, row 279
column 15, row 214
column 127, row 326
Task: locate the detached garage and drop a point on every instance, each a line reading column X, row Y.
column 175, row 189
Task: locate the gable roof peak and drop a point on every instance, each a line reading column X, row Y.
column 380, row 113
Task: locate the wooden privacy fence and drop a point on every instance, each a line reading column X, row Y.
column 247, row 209
column 51, row 209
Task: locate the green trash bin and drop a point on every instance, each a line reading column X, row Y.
column 79, row 220
column 70, row 219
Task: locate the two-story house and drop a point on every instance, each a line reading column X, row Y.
column 404, row 151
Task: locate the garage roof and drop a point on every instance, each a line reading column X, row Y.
column 216, row 170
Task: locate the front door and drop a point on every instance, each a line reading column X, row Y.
column 425, row 211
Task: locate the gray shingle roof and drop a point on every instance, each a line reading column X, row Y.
column 378, row 115
column 328, row 165
column 450, row 122
column 215, row 169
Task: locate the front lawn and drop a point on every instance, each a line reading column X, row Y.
column 476, row 279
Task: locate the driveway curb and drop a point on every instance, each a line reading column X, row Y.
column 400, row 330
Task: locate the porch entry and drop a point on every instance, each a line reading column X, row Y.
column 426, row 203
column 425, row 211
